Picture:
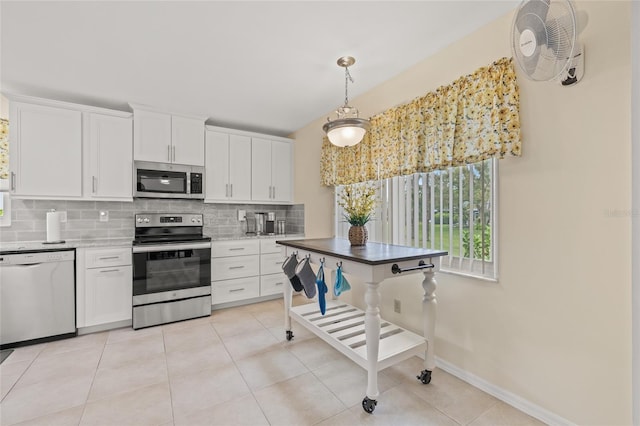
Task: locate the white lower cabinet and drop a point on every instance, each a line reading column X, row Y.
column 104, row 286
column 246, row 269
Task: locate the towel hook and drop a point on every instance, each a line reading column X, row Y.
column 339, row 264
column 322, row 260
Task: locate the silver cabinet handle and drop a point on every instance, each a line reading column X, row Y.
column 279, row 283
column 109, row 257
column 274, row 192
column 13, row 181
column 104, row 271
column 236, row 267
column 233, row 290
column 236, row 248
column 231, row 186
column 226, row 189
column 168, row 152
column 93, row 183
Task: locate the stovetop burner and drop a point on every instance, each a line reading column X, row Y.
column 170, row 239
column 168, row 228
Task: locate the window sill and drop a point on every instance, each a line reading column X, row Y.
column 468, row 275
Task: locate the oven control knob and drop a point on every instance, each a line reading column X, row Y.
column 146, row 220
column 193, row 219
column 139, row 220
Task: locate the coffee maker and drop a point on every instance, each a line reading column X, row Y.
column 260, row 223
column 270, row 224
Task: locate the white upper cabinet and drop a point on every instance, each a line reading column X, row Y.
column 167, row 138
column 152, row 136
column 281, row 171
column 272, row 171
column 228, row 168
column 60, row 150
column 187, row 140
column 110, row 157
column 46, row 151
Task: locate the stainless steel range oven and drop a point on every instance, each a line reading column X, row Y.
column 171, row 269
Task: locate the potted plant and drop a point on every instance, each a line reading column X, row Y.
column 358, row 202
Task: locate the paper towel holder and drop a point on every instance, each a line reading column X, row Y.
column 57, row 240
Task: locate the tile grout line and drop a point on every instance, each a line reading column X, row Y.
column 93, row 379
column 240, row 371
column 166, row 363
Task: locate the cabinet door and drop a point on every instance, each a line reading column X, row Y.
column 261, row 169
column 281, row 171
column 46, row 151
column 240, row 167
column 110, row 157
column 187, row 141
column 152, row 136
column 108, row 295
column 217, row 166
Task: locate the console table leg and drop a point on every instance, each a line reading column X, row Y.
column 288, row 295
column 372, row 336
column 429, row 311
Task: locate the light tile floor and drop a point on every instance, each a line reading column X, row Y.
column 232, row 368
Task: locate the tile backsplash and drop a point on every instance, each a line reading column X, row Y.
column 28, row 218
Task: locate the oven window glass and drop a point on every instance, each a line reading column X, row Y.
column 159, row 271
column 162, row 181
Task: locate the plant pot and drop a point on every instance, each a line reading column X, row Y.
column 358, row 235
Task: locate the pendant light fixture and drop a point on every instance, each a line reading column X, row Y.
column 348, row 129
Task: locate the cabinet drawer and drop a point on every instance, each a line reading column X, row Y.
column 105, row 257
column 273, row 284
column 271, row 263
column 235, row 248
column 269, row 245
column 232, row 290
column 225, row 268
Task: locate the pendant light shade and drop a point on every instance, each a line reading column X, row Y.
column 348, row 129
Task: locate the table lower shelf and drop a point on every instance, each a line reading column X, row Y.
column 343, row 327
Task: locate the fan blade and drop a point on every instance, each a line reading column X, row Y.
column 533, row 7
column 532, row 16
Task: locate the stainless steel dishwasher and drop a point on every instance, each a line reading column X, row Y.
column 37, row 296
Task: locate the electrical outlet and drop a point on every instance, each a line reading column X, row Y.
column 397, row 307
column 63, row 217
column 104, row 216
column 242, row 215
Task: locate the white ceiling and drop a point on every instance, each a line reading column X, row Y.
column 263, row 66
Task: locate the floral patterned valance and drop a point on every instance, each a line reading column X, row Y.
column 474, row 118
column 4, row 148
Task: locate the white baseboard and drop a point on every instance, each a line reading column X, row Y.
column 510, row 398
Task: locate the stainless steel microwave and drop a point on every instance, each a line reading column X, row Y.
column 164, row 180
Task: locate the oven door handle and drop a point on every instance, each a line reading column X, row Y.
column 170, row 247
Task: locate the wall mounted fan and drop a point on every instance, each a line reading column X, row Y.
column 545, row 42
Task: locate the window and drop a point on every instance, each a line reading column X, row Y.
column 452, row 210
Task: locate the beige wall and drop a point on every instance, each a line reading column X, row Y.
column 556, row 329
column 4, row 107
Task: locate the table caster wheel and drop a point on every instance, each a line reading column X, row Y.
column 289, row 334
column 369, row 404
column 425, row 377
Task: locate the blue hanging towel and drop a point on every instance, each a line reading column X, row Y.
column 341, row 282
column 322, row 288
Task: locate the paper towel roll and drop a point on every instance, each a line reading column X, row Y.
column 53, row 226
